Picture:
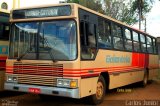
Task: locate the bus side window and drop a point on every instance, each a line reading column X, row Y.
column 149, row 45
column 91, row 36
column 136, row 42
column 143, row 43
column 154, row 46
column 104, row 34
column 4, row 31
column 82, row 38
column 128, row 40
column 88, row 40
column 117, row 37
column 1, row 30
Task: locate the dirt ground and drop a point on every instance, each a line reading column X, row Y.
column 132, row 95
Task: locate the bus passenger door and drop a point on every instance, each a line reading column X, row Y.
column 88, row 53
column 88, row 38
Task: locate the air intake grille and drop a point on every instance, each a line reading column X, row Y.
column 38, row 69
column 37, row 73
column 36, row 80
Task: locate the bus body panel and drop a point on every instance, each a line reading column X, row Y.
column 87, row 86
column 153, row 66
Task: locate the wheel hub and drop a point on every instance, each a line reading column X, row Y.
column 99, row 92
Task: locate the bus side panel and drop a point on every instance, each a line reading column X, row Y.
column 3, row 57
column 121, row 79
column 106, row 61
column 153, row 66
column 88, row 86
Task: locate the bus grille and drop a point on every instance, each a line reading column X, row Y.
column 38, row 73
column 36, row 80
column 38, row 69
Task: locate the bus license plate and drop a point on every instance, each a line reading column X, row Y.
column 34, row 90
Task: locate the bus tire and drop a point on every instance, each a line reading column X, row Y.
column 100, row 92
column 145, row 79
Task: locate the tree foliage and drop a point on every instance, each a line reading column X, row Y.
column 92, row 4
column 122, row 10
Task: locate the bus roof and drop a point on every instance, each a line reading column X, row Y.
column 87, row 9
column 110, row 18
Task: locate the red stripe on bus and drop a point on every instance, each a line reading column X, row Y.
column 71, row 73
column 76, row 70
column 2, row 64
column 107, row 68
column 3, row 57
column 83, row 71
column 140, row 60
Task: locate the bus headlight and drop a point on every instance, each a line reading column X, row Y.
column 11, row 79
column 69, row 83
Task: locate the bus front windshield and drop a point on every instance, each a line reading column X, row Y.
column 48, row 40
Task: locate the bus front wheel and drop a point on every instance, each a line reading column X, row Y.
column 100, row 92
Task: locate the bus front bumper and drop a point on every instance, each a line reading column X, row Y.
column 64, row 92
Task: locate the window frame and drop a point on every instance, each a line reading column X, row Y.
column 141, row 43
column 134, row 41
column 125, row 38
column 151, row 44
column 105, row 33
column 121, row 37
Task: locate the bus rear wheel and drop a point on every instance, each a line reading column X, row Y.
column 100, row 92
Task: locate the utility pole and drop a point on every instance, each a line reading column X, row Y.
column 140, row 6
column 145, row 25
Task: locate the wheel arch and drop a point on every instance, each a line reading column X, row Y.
column 106, row 78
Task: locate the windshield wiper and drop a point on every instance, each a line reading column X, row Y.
column 19, row 58
column 52, row 57
column 48, row 48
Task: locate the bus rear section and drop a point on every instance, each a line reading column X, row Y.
column 4, row 42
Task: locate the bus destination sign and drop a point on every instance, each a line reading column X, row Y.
column 42, row 12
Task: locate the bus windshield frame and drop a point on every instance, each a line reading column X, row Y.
column 44, row 40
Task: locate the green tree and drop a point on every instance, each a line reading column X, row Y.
column 142, row 7
column 92, row 4
column 127, row 11
column 122, row 10
column 72, row 1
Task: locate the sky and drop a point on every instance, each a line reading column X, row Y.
column 153, row 18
